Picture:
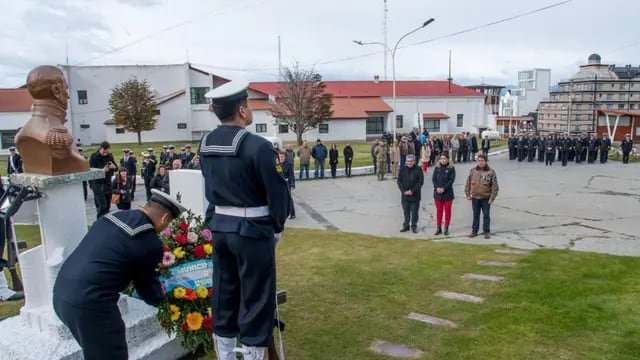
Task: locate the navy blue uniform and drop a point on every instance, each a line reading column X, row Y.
column 119, row 248
column 131, row 164
column 101, row 187
column 241, row 170
column 148, row 171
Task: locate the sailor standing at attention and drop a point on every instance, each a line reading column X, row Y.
column 244, row 183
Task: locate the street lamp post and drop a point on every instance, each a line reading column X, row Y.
column 393, row 62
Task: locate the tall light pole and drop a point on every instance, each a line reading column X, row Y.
column 393, row 62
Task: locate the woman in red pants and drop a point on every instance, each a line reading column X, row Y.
column 444, row 174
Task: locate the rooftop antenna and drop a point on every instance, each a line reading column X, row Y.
column 450, row 78
column 384, row 24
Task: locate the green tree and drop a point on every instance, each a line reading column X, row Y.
column 302, row 103
column 133, row 106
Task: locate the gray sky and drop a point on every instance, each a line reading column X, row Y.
column 229, row 35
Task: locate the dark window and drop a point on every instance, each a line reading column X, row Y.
column 460, row 121
column 432, row 125
column 6, row 137
column 157, row 112
column 119, row 130
column 323, row 128
column 399, row 122
column 182, row 126
column 84, row 126
column 375, row 125
column 197, row 95
column 261, row 128
column 620, row 106
column 283, row 128
column 82, row 97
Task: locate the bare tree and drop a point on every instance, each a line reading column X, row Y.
column 302, row 102
column 133, row 106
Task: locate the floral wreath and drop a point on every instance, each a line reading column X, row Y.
column 186, row 275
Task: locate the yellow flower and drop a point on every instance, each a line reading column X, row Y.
column 202, row 292
column 194, row 320
column 209, row 312
column 175, row 312
column 179, row 292
column 208, row 249
column 178, row 252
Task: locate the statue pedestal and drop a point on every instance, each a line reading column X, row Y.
column 190, row 185
column 37, row 333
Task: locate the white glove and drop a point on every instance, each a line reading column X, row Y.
column 277, row 237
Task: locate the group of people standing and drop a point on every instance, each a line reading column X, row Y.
column 319, row 154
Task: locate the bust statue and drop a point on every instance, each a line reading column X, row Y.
column 44, row 142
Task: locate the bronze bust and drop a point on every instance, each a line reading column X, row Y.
column 44, row 142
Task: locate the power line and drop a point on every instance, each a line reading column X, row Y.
column 169, row 28
column 355, row 57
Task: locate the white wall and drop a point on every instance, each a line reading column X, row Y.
column 9, row 123
column 472, row 108
column 532, row 97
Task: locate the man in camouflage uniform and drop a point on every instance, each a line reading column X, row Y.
column 381, row 159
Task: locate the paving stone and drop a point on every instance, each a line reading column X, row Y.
column 431, row 320
column 496, row 263
column 483, row 277
column 511, row 252
column 459, row 296
column 396, row 350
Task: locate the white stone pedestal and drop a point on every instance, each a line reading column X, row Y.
column 190, row 185
column 37, row 333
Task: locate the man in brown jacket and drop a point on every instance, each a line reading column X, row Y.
column 481, row 188
column 305, row 158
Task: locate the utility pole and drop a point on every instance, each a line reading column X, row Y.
column 386, row 53
column 449, row 78
column 279, row 59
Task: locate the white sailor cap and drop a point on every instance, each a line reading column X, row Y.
column 166, row 201
column 232, row 91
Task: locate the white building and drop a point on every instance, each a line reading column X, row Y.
column 363, row 110
column 533, row 86
column 183, row 111
column 15, row 111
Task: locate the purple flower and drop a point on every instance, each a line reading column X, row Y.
column 167, row 231
column 206, row 234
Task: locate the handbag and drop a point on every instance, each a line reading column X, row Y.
column 115, row 198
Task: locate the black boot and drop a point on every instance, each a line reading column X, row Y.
column 446, row 231
column 438, row 231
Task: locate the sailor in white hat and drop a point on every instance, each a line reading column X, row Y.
column 244, row 183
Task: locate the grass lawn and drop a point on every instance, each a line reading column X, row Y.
column 348, row 290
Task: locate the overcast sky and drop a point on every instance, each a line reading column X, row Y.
column 225, row 36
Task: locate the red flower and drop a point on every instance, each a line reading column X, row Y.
column 190, row 295
column 210, row 292
column 181, row 239
column 165, row 249
column 184, row 326
column 198, row 251
column 184, row 227
column 207, row 322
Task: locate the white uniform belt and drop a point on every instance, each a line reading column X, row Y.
column 250, row 212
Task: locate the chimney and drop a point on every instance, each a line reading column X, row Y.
column 376, row 79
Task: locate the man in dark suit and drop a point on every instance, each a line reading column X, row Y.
column 14, row 162
column 131, row 164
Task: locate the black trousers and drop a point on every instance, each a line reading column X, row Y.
column 334, row 168
column 512, row 153
column 541, row 155
column 133, row 186
column 347, row 167
column 592, row 156
column 549, row 158
column 572, row 155
column 578, row 156
column 625, row 157
column 465, row 155
column 521, row 154
column 531, row 155
column 100, row 333
column 460, row 156
column 292, row 208
column 479, row 205
column 147, row 187
column 604, row 156
column 124, row 205
column 244, row 279
column 410, row 211
column 564, row 155
column 102, row 201
column 485, row 152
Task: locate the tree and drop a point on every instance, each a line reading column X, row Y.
column 302, row 103
column 133, row 106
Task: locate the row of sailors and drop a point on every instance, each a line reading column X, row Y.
column 566, row 148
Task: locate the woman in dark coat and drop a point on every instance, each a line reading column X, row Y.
column 122, row 184
column 333, row 159
column 161, row 180
column 444, row 175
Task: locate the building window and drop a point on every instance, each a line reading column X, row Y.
column 84, row 126
column 6, row 137
column 157, row 112
column 609, row 96
column 609, row 106
column 182, row 126
column 261, row 128
column 460, row 121
column 432, row 126
column 323, row 128
column 82, row 97
column 283, row 128
column 620, row 106
column 632, row 106
column 119, row 130
column 399, row 122
column 375, row 125
column 197, row 95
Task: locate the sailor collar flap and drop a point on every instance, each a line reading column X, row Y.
column 127, row 228
column 222, row 142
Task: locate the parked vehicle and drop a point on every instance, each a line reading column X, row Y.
column 490, row 134
column 275, row 140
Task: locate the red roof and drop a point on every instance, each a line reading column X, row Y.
column 619, row 112
column 434, row 116
column 15, row 100
column 382, row 88
column 259, row 104
column 358, row 108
